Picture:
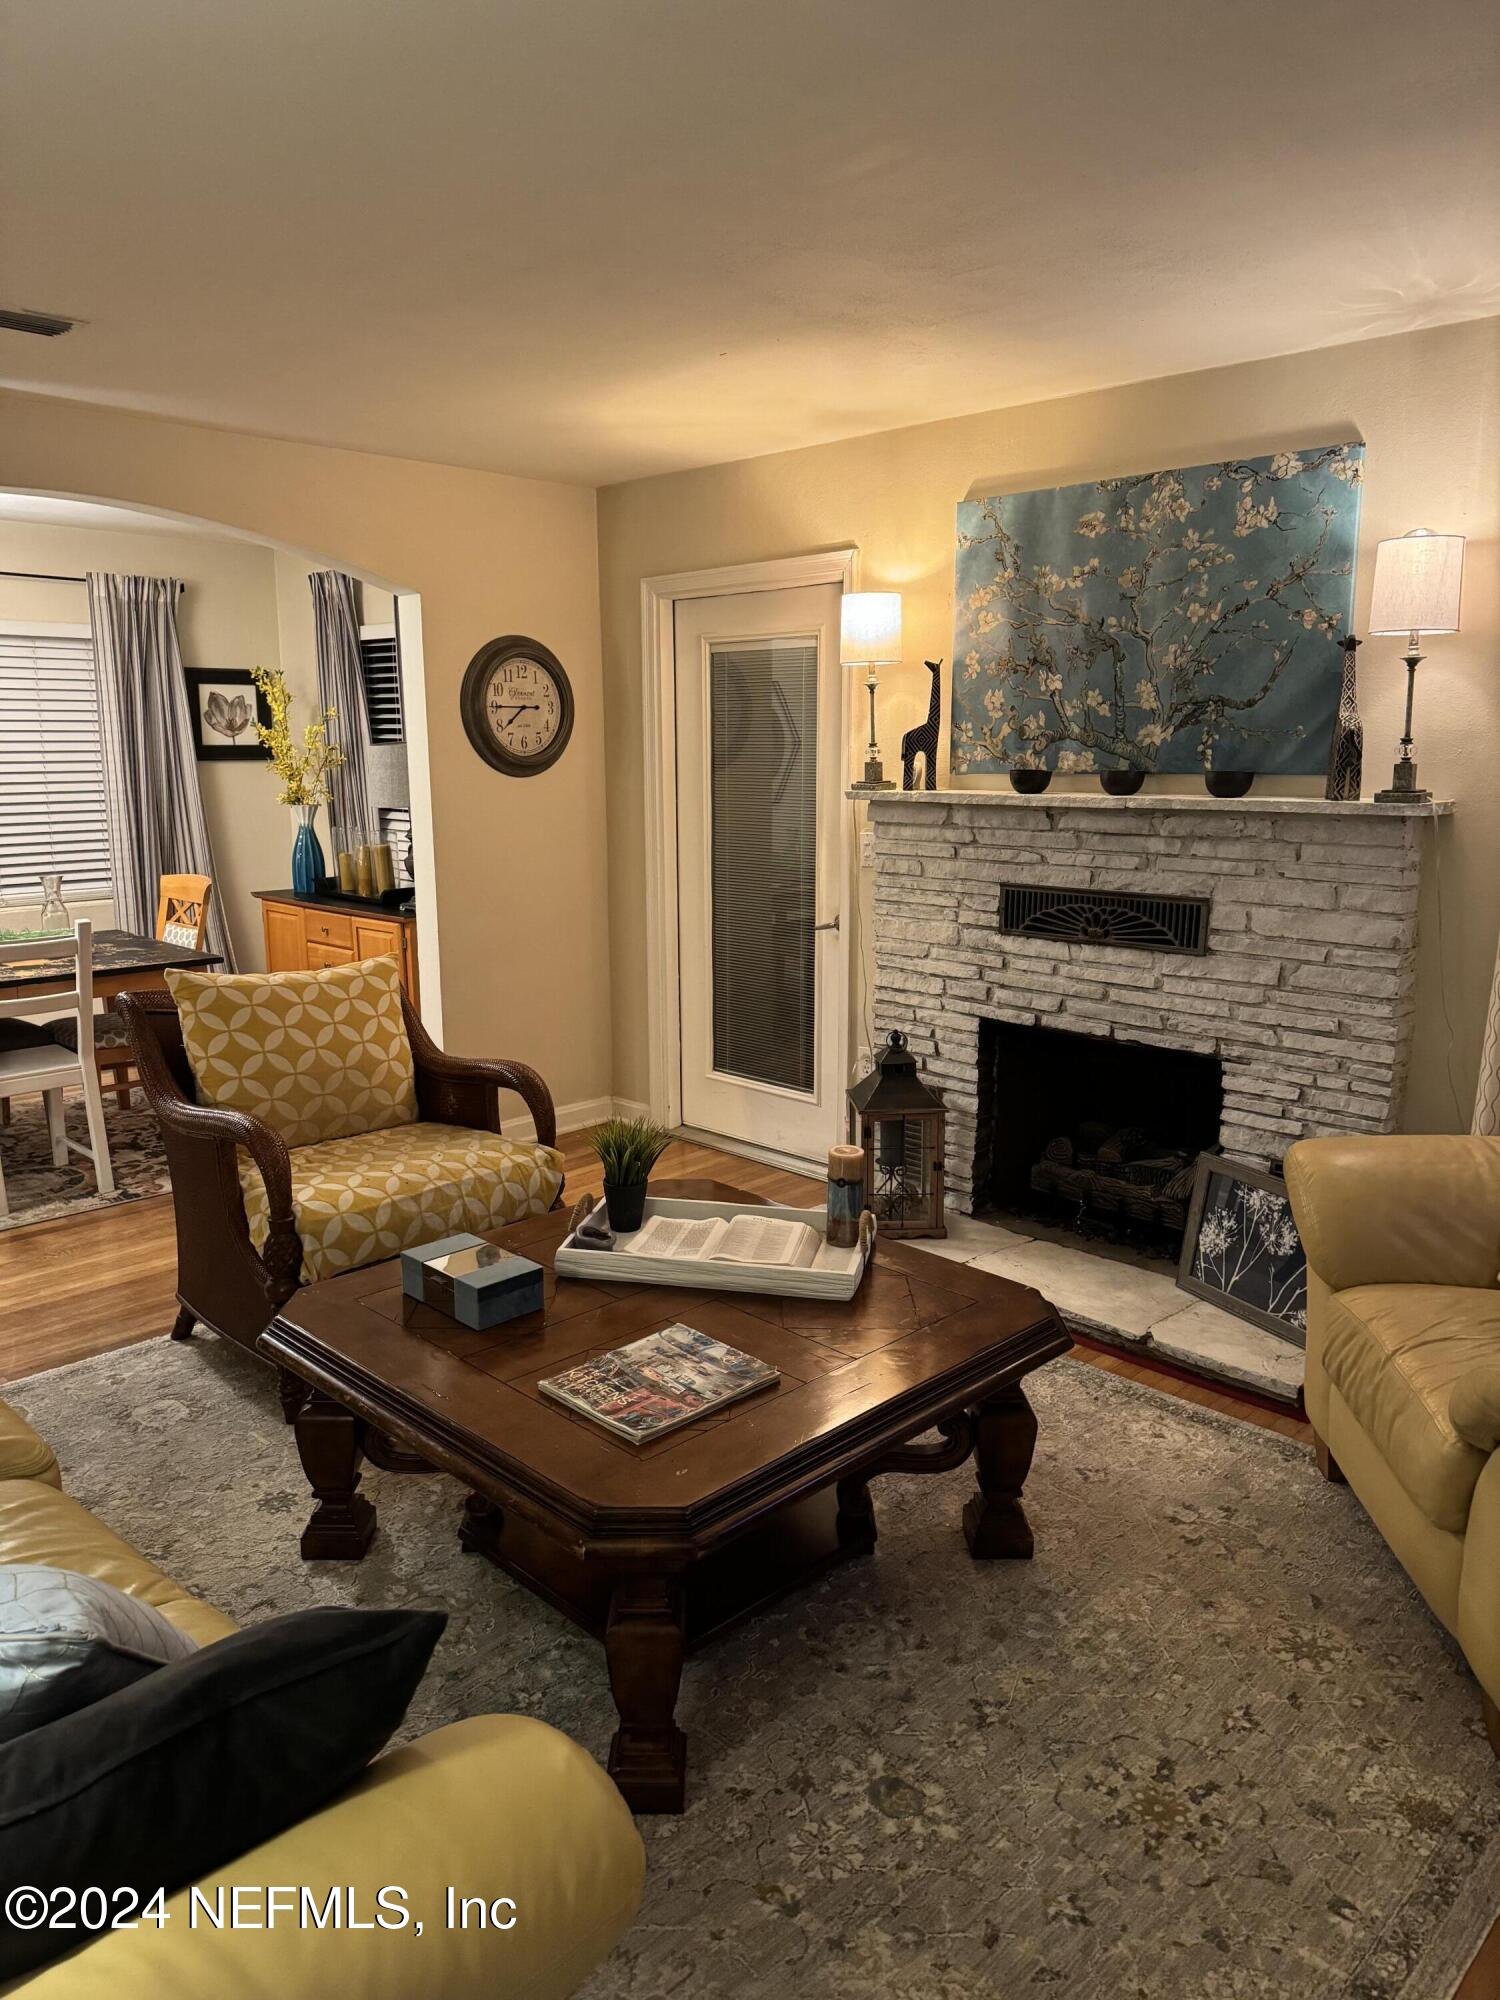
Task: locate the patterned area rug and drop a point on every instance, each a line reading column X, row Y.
column 1208, row 1746
column 38, row 1191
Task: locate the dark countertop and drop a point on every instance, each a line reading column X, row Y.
column 379, row 912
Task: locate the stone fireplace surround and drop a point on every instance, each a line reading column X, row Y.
column 1304, row 993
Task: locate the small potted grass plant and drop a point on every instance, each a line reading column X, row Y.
column 628, row 1149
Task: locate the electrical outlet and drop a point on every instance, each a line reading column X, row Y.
column 867, row 847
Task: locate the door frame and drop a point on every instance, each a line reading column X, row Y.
column 659, row 599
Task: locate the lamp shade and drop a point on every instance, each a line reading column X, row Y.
column 1418, row 581
column 870, row 628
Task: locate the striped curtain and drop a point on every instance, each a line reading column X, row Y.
column 156, row 822
column 341, row 687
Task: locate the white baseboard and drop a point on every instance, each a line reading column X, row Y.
column 570, row 1117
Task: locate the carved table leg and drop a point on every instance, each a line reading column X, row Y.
column 480, row 1529
column 855, row 1520
column 329, row 1440
column 643, row 1644
column 182, row 1326
column 293, row 1392
column 995, row 1523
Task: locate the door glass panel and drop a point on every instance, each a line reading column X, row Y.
column 763, row 753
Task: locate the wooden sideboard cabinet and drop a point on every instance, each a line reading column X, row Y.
column 304, row 932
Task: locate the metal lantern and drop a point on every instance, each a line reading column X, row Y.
column 899, row 1122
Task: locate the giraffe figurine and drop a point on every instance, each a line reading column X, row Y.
column 923, row 741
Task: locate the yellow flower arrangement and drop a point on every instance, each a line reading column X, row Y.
column 303, row 769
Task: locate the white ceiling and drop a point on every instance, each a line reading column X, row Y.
column 596, row 238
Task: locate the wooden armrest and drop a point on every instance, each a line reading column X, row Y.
column 462, row 1090
column 214, row 1132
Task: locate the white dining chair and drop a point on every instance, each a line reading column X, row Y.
column 51, row 1069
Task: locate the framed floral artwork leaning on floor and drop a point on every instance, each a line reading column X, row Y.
column 1241, row 1249
column 1180, row 621
column 224, row 706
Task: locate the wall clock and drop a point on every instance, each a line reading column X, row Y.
column 517, row 705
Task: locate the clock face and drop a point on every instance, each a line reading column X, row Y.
column 517, row 706
column 523, row 706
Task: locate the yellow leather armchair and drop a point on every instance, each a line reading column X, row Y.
column 1403, row 1360
column 496, row 1807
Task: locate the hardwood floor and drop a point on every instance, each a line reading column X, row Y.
column 75, row 1287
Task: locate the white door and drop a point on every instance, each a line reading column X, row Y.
column 759, row 779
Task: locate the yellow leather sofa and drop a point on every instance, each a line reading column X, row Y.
column 498, row 1806
column 1403, row 1360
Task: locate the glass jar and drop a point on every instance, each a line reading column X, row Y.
column 54, row 915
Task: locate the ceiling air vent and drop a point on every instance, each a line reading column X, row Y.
column 48, row 325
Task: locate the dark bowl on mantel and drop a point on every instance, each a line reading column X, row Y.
column 1030, row 781
column 1120, row 784
column 1228, row 784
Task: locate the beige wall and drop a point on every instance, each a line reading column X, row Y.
column 226, row 618
column 1428, row 406
column 522, row 910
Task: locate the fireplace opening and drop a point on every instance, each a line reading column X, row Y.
column 1094, row 1135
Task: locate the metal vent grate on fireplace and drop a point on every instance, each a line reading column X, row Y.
column 1106, row 916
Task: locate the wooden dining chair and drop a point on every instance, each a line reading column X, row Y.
column 181, row 918
column 50, row 1069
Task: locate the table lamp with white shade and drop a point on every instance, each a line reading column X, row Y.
column 1418, row 583
column 870, row 637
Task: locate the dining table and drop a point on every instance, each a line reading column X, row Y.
column 124, row 962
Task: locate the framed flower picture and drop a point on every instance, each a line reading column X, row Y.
column 225, row 706
column 1241, row 1250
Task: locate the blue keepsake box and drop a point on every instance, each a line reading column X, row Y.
column 472, row 1281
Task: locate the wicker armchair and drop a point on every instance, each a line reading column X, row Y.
column 222, row 1278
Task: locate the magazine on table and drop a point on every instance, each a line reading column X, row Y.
column 741, row 1239
column 653, row 1385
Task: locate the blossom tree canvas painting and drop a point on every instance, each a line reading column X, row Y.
column 1167, row 621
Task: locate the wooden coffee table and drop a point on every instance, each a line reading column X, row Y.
column 655, row 1548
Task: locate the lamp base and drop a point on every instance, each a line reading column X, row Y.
column 874, row 779
column 1403, row 789
column 878, row 785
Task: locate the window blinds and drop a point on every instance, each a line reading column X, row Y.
column 380, row 664
column 763, row 810
column 53, row 817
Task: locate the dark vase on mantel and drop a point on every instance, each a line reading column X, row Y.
column 1228, row 784
column 1030, row 781
column 1120, row 784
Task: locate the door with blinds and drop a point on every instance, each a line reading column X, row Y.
column 759, row 763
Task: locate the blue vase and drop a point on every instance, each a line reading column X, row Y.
column 308, row 866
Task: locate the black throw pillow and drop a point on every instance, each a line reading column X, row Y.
column 166, row 1780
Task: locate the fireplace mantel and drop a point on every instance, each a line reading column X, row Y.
column 1153, row 802
column 1298, row 979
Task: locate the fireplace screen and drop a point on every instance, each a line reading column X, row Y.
column 1093, row 1133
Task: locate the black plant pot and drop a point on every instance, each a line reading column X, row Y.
column 626, row 1205
column 1030, row 781
column 1120, row 784
column 1228, row 784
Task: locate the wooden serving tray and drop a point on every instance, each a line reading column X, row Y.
column 617, row 1267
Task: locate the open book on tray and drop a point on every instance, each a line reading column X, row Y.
column 739, row 1239
column 653, row 1385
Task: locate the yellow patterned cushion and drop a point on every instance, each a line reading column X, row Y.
column 359, row 1200
column 315, row 1055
